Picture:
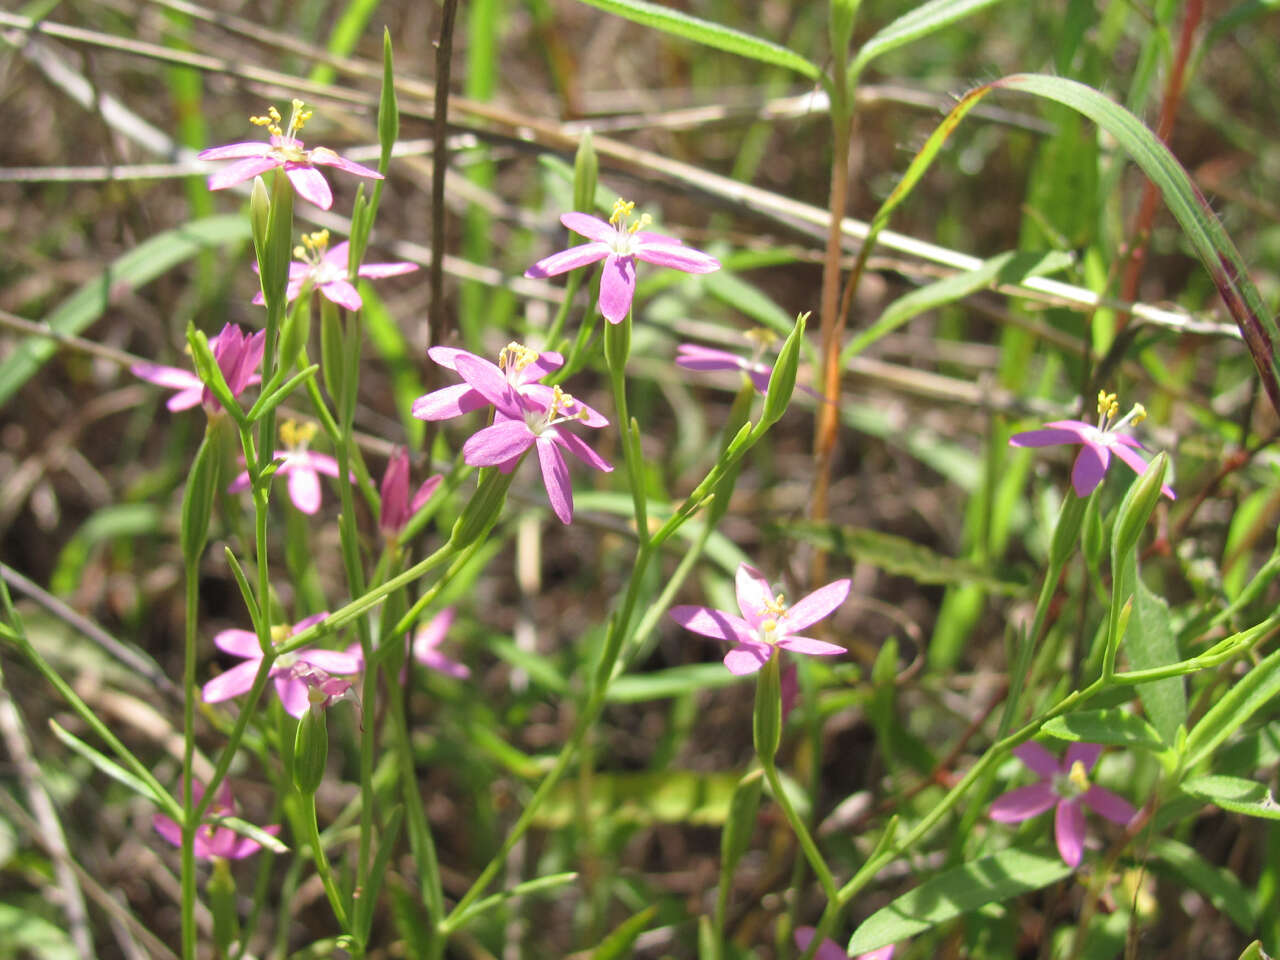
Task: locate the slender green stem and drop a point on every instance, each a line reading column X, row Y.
column 810, row 848
column 237, row 733
column 322, row 861
column 189, row 823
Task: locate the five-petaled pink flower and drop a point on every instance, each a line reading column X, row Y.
column 238, row 357
column 213, row 841
column 289, row 673
column 830, row 950
column 301, row 466
column 766, row 621
column 620, row 243
column 527, row 414
column 326, row 270
column 397, row 507
column 283, row 150
column 1064, row 785
column 1098, row 443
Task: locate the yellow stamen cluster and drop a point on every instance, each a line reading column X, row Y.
column 1078, row 776
column 761, row 336
column 516, row 356
column 622, row 210
column 1139, row 413
column 295, row 435
column 313, row 245
column 562, row 403
column 272, row 121
column 777, row 606
column 1108, row 406
column 279, row 633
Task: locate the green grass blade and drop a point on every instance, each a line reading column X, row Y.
column 708, row 34
column 920, row 22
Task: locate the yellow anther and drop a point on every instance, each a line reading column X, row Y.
column 271, row 121
column 1078, row 776
column 640, row 224
column 316, row 242
column 621, row 210
column 561, row 401
column 298, row 117
column 776, row 606
column 761, row 336
column 1139, row 413
column 279, row 633
column 768, row 626
column 1107, row 405
column 295, row 435
column 300, row 252
column 516, row 356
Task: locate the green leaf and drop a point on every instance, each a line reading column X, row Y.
column 266, row 840
column 1236, row 794
column 1244, row 698
column 31, row 935
column 680, row 796
column 109, row 767
column 901, row 556
column 707, row 33
column 1150, row 642
column 920, row 22
column 961, row 890
column 1113, row 727
column 537, row 885
column 619, row 943
column 1011, row 268
column 1255, row 952
column 1218, row 884
column 669, row 683
column 126, row 273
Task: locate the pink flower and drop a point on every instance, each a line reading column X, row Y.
column 692, row 356
column 516, row 373
column 283, row 150
column 397, row 508
column 238, row 357
column 211, row 841
column 620, row 243
column 301, row 466
column 326, row 270
column 289, row 673
column 830, row 950
column 426, row 646
column 1098, row 443
column 527, row 414
column 1064, row 785
column 766, row 621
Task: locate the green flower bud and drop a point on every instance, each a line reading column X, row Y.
column 197, row 498
column 586, row 173
column 1135, row 510
column 782, row 382
column 222, row 904
column 767, row 720
column 311, row 748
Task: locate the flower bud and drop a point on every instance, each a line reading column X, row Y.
column 586, row 173
column 1135, row 510
column 311, row 745
column 767, row 721
column 782, row 382
column 197, row 498
column 1067, row 532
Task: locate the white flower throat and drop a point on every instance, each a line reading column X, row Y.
column 623, row 242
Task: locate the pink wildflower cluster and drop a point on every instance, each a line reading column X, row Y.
column 526, row 414
column 213, row 842
column 238, row 356
column 326, row 270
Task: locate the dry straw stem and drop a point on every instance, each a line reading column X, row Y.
column 563, row 138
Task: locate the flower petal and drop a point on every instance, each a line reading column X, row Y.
column 1086, row 753
column 185, row 399
column 814, row 607
column 1023, row 803
column 292, row 693
column 593, row 228
column 306, row 622
column 1068, row 830
column 304, row 487
column 578, row 447
column 1048, row 437
column 435, row 660
column 566, row 260
column 240, row 171
column 693, row 357
column 677, row 256
column 237, row 680
column 811, row 646
column 325, row 156
column 171, row 378
column 547, row 362
column 753, row 593
column 432, row 633
column 747, row 658
column 1138, row 465
column 448, row 402
column 447, row 357
column 1110, row 805
column 167, row 828
column 718, row 624
column 544, row 397
column 238, row 643
column 555, row 477
column 1089, row 469
column 310, row 184
column 617, row 287
column 498, row 443
column 492, row 383
column 1038, row 759
column 236, row 151
column 342, row 293
column 376, row 271
column 241, row 482
column 330, row 661
column 827, row 950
